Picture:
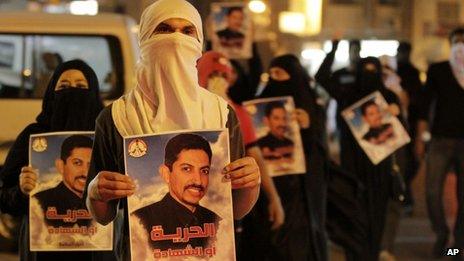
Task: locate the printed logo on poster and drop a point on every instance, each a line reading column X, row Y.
column 39, row 144
column 137, row 148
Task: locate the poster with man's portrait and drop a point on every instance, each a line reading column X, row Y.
column 278, row 135
column 378, row 132
column 58, row 217
column 182, row 206
column 231, row 30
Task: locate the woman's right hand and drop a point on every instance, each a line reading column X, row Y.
column 28, row 179
column 108, row 185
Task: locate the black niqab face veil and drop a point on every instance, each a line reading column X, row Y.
column 297, row 86
column 369, row 75
column 71, row 109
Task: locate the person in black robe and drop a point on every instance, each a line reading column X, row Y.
column 411, row 83
column 376, row 180
column 64, row 108
column 303, row 234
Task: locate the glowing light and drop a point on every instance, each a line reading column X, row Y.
column 313, row 16
column 89, row 7
column 27, row 72
column 292, row 22
column 378, row 48
column 257, row 6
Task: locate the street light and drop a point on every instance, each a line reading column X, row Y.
column 257, row 6
column 89, row 7
column 292, row 22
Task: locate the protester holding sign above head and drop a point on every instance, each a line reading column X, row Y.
column 167, row 97
column 71, row 103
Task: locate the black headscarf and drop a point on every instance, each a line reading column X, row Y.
column 298, row 87
column 368, row 81
column 73, row 108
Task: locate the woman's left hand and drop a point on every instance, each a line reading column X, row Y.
column 303, row 118
column 243, row 173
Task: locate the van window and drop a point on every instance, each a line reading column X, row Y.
column 28, row 61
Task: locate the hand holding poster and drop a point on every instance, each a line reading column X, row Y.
column 278, row 135
column 58, row 217
column 182, row 207
column 232, row 34
column 377, row 131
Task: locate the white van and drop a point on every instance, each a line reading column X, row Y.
column 32, row 44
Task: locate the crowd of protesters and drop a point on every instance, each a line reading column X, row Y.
column 354, row 203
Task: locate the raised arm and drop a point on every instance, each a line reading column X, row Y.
column 324, row 74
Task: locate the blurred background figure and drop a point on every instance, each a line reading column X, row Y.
column 50, row 61
column 376, row 179
column 303, row 235
column 411, row 83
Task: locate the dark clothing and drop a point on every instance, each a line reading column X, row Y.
column 447, row 145
column 443, row 154
column 230, row 38
column 444, row 91
column 62, row 199
column 280, row 148
column 170, row 214
column 374, row 133
column 411, row 83
column 108, row 155
column 56, row 115
column 303, row 197
column 375, row 179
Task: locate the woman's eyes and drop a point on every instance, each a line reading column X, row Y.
column 81, row 86
column 66, row 86
column 63, row 86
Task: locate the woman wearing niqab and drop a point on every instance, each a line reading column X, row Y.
column 64, row 108
column 302, row 236
column 376, row 180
